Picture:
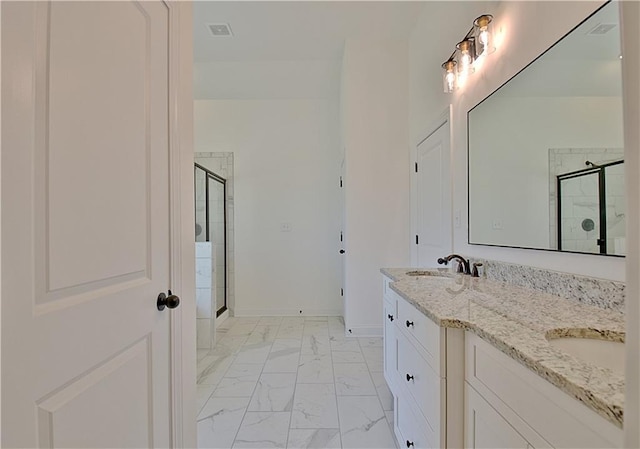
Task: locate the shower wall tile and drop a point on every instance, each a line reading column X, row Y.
column 203, row 250
column 203, row 303
column 203, row 333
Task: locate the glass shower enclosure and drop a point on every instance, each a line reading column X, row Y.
column 591, row 208
column 211, row 219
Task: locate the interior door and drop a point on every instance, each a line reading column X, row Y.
column 433, row 194
column 85, row 224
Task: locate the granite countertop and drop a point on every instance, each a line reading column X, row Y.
column 517, row 321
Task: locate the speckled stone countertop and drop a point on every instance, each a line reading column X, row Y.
column 518, row 321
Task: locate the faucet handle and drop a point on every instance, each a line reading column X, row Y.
column 442, row 261
column 474, row 273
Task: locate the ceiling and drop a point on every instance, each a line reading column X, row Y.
column 286, row 49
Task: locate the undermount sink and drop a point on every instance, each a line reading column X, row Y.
column 602, row 353
column 432, row 273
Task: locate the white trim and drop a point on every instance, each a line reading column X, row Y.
column 443, row 119
column 630, row 28
column 0, row 230
column 286, row 312
column 364, row 331
column 182, row 268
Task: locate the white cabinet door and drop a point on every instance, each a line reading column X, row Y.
column 485, row 428
column 390, row 345
column 85, row 224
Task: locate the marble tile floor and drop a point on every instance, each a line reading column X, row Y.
column 292, row 382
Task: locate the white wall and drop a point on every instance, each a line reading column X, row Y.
column 510, row 177
column 527, row 29
column 375, row 136
column 286, row 157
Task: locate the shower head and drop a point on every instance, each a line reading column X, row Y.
column 592, row 164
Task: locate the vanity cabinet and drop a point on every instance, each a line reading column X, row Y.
column 486, row 428
column 425, row 383
column 389, row 340
column 507, row 405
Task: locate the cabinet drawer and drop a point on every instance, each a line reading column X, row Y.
column 421, row 382
column 411, row 430
column 424, row 332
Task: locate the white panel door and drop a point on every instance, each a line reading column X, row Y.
column 85, row 224
column 433, row 194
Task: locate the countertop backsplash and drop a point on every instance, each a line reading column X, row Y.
column 602, row 293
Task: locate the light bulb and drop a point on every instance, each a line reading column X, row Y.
column 450, row 80
column 449, row 77
column 466, row 58
column 484, row 35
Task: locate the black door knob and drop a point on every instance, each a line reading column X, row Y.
column 341, row 251
column 390, row 317
column 409, row 443
column 171, row 301
column 409, row 323
column 409, row 378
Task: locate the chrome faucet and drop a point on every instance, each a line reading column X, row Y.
column 464, row 263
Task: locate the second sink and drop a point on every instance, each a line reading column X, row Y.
column 602, row 353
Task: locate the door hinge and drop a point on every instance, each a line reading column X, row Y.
column 416, row 167
column 340, row 181
column 416, row 239
column 342, row 292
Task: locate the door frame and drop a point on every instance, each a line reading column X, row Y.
column 445, row 118
column 182, row 249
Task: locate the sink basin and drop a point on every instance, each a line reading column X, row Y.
column 602, row 353
column 431, row 273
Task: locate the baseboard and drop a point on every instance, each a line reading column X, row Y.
column 223, row 316
column 364, row 331
column 286, row 312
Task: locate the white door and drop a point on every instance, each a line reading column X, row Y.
column 433, row 195
column 85, row 224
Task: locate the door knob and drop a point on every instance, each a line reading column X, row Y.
column 390, row 317
column 171, row 301
column 341, row 251
column 409, row 323
column 409, row 443
column 409, row 377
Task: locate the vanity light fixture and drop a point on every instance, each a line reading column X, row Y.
column 483, row 32
column 450, row 76
column 465, row 57
column 477, row 43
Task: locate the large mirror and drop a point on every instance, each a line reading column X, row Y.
column 546, row 168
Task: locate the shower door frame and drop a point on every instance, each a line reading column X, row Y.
column 602, row 199
column 211, row 175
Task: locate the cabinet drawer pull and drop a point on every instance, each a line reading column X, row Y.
column 409, row 443
column 409, row 378
column 409, row 323
column 390, row 317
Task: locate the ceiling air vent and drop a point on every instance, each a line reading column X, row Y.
column 219, row 29
column 602, row 28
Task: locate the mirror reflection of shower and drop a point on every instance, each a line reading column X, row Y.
column 591, row 209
